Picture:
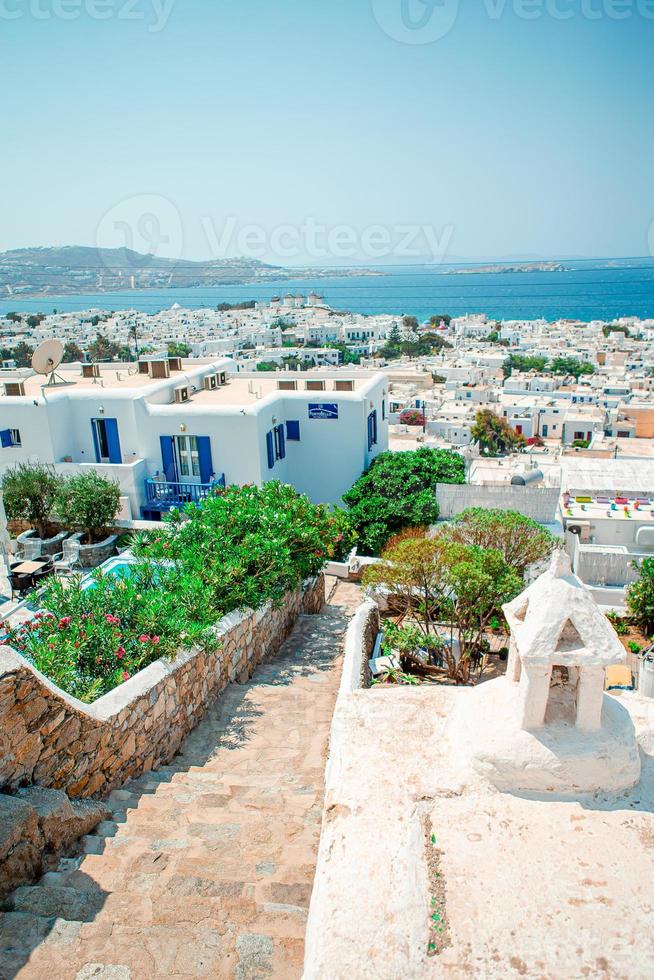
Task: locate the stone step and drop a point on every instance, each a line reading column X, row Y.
column 49, row 901
column 21, row 932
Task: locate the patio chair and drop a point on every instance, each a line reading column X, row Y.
column 42, row 574
column 20, row 584
column 31, row 549
column 69, row 559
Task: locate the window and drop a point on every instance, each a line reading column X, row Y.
column 188, row 457
column 280, row 447
column 10, row 437
column 372, row 429
column 270, row 449
column 293, row 431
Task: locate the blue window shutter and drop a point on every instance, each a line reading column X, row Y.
column 113, row 442
column 204, row 453
column 96, row 444
column 281, row 444
column 374, row 426
column 293, row 431
column 270, row 447
column 383, row 409
column 5, row 438
column 168, row 458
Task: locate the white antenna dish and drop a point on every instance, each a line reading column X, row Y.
column 47, row 358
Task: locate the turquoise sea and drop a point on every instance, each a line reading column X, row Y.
column 579, row 292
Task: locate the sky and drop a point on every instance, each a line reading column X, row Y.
column 329, row 131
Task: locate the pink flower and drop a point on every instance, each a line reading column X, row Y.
column 120, row 652
column 64, row 622
column 143, row 638
column 125, row 675
column 155, row 640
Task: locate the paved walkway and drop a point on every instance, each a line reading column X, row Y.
column 207, row 866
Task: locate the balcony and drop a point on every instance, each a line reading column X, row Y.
column 161, row 496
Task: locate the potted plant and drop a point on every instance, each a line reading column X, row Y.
column 89, row 503
column 30, row 492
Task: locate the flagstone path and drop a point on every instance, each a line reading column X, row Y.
column 207, row 865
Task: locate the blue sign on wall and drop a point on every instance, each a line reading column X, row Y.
column 326, row 410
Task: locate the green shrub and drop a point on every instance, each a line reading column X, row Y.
column 634, row 646
column 30, row 492
column 640, row 596
column 238, row 548
column 88, row 503
column 398, row 491
column 619, row 623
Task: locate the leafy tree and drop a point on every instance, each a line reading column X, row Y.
column 103, row 349
column 23, row 354
column 410, row 324
column 439, row 318
column 30, row 492
column 523, row 363
column 494, row 434
column 72, row 352
column 178, row 349
column 519, row 539
column 438, row 580
column 267, row 366
column 34, row 319
column 88, row 503
column 398, row 491
column 640, row 596
column 14, row 317
column 571, row 365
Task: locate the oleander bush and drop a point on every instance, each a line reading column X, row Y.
column 241, row 547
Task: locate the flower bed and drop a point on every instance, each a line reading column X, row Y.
column 238, row 549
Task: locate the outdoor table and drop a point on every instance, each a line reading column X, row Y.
column 28, row 567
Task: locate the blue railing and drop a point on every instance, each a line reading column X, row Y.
column 162, row 495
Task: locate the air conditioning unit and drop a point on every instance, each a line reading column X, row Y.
column 90, row 370
column 14, row 387
column 159, row 369
column 581, row 529
column 182, row 394
column 175, row 363
column 210, row 382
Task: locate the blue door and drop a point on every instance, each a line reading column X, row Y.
column 105, row 441
column 168, row 458
column 206, row 463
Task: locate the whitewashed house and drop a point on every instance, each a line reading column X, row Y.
column 167, row 429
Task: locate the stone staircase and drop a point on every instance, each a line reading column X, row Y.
column 204, row 867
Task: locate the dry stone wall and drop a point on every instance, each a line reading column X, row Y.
column 50, row 739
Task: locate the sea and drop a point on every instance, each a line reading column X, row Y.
column 579, row 292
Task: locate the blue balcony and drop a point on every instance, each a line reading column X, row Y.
column 161, row 496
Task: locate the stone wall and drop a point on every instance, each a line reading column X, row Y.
column 51, row 739
column 539, row 503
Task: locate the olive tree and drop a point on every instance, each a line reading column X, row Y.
column 30, row 492
column 88, row 503
column 435, row 580
column 519, row 539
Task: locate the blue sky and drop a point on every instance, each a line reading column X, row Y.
column 506, row 136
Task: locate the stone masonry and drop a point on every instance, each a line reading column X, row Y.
column 51, row 739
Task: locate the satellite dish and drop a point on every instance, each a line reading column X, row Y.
column 47, row 358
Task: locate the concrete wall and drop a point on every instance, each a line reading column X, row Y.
column 539, row 503
column 601, row 564
column 51, row 739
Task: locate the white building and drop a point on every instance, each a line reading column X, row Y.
column 166, row 429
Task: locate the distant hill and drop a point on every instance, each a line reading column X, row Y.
column 79, row 268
